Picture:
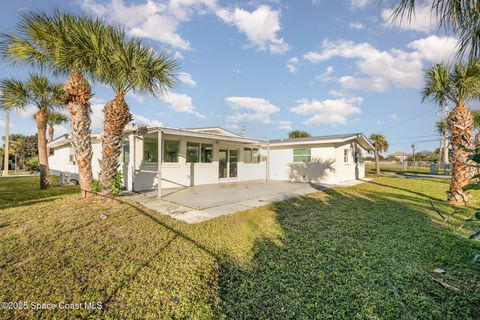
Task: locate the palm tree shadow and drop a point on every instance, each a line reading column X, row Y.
column 344, row 257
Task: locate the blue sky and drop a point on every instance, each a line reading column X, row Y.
column 323, row 66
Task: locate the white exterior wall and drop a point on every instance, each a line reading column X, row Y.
column 60, row 159
column 351, row 170
column 183, row 174
column 320, row 170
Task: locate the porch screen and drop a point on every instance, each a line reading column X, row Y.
column 193, row 152
column 301, row 155
column 207, row 153
column 150, row 150
column 170, row 150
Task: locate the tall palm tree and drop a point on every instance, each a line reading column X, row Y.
column 380, row 145
column 459, row 17
column 295, row 134
column 70, row 45
column 463, row 85
column 44, row 95
column 54, row 119
column 7, row 142
column 437, row 90
column 131, row 67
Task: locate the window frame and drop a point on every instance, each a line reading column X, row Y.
column 197, row 146
column 307, row 155
column 346, row 155
column 202, row 155
column 165, row 150
column 254, row 155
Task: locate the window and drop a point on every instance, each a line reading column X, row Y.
column 301, row 155
column 345, row 155
column 125, row 157
column 71, row 156
column 247, row 155
column 206, row 153
column 170, row 150
column 150, row 150
column 193, row 152
column 251, row 155
column 255, row 156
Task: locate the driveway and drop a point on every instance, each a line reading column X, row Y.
column 200, row 203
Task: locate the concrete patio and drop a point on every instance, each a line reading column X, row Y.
column 201, row 203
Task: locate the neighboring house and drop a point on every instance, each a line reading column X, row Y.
column 400, row 156
column 200, row 156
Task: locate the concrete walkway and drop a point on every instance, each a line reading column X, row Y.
column 201, row 203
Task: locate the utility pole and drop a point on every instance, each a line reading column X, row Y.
column 7, row 142
column 413, row 148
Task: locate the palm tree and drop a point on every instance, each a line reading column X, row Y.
column 295, row 134
column 437, row 89
column 43, row 95
column 476, row 127
column 54, row 119
column 380, row 145
column 7, row 142
column 71, row 45
column 459, row 17
column 131, row 67
column 463, row 85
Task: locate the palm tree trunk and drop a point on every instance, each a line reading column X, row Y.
column 41, row 118
column 117, row 116
column 79, row 93
column 50, row 137
column 445, row 147
column 7, row 145
column 461, row 124
column 377, row 162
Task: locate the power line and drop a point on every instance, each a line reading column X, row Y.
column 410, row 142
column 414, row 137
column 405, row 121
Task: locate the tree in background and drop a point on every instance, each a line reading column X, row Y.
column 76, row 46
column 131, row 66
column 460, row 86
column 44, row 95
column 380, row 145
column 55, row 119
column 295, row 134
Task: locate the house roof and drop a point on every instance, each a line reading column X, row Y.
column 336, row 138
column 214, row 130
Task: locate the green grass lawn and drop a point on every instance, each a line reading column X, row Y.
column 397, row 168
column 363, row 252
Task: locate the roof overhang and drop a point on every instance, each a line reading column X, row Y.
column 195, row 134
column 66, row 139
column 360, row 138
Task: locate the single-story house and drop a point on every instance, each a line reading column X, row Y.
column 188, row 157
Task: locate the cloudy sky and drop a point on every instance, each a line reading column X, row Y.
column 323, row 66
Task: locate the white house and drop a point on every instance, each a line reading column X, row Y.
column 188, row 157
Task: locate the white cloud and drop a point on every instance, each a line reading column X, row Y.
column 422, row 20
column 293, row 64
column 356, row 25
column 325, row 76
column 180, row 102
column 27, row 112
column 97, row 114
column 284, row 125
column 59, row 130
column 392, row 116
column 260, row 26
column 435, row 49
column 250, row 109
column 137, row 97
column 153, row 20
column 330, row 111
column 380, row 70
column 360, row 3
column 139, row 119
column 186, row 78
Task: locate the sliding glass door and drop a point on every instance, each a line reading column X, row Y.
column 227, row 163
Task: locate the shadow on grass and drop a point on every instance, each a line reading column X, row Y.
column 345, row 257
column 21, row 191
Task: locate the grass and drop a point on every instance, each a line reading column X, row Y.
column 364, row 252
